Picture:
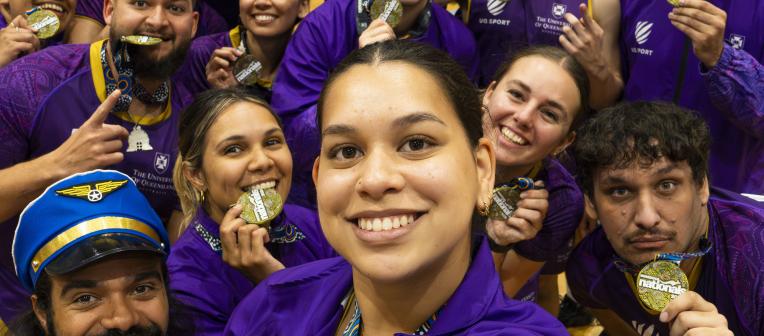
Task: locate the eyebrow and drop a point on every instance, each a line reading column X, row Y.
column 401, row 122
column 86, row 284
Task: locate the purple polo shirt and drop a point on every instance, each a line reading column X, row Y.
column 210, row 288
column 3, row 23
column 504, row 27
column 199, row 55
column 322, row 40
column 210, row 21
column 552, row 243
column 306, row 300
column 732, row 274
column 651, row 53
column 51, row 92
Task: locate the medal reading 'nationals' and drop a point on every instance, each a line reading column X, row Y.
column 247, row 69
column 141, row 40
column 389, row 11
column 659, row 282
column 44, row 21
column 260, row 206
column 505, row 198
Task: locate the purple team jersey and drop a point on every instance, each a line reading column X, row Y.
column 731, row 274
column 322, row 40
column 504, row 27
column 652, row 52
column 45, row 97
column 210, row 21
column 307, row 300
column 552, row 243
column 3, row 23
column 210, row 288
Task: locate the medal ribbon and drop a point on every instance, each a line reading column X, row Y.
column 624, row 266
column 123, row 80
column 355, row 324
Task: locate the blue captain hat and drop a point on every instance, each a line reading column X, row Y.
column 82, row 219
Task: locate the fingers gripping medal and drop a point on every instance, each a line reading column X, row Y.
column 247, row 69
column 505, row 198
column 260, row 206
column 44, row 21
column 389, row 11
column 140, row 40
column 659, row 282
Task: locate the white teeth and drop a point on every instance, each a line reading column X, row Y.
column 264, row 17
column 265, row 185
column 53, row 7
column 511, row 136
column 385, row 223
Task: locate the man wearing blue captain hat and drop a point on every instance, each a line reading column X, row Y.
column 92, row 251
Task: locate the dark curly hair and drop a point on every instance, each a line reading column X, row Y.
column 458, row 88
column 641, row 132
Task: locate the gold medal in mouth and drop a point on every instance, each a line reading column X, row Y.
column 658, row 283
column 142, row 40
column 389, row 11
column 44, row 21
column 260, row 206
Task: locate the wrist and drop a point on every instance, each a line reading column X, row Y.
column 498, row 248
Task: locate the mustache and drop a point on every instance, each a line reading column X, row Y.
column 151, row 330
column 653, row 233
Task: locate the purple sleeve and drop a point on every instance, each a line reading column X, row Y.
column 193, row 74
column 210, row 22
column 91, row 9
column 24, row 84
column 736, row 87
column 581, row 273
column 566, row 206
column 317, row 46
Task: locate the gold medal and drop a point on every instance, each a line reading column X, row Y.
column 141, row 40
column 674, row 3
column 504, row 202
column 659, row 282
column 260, row 206
column 247, row 69
column 389, row 11
column 44, row 21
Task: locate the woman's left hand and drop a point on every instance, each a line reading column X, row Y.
column 244, row 247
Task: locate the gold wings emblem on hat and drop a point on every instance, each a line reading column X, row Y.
column 92, row 192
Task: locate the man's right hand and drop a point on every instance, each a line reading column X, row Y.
column 16, row 40
column 94, row 145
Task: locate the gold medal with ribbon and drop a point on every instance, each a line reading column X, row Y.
column 389, row 11
column 44, row 21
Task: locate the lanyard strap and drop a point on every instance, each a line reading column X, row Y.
column 355, row 325
column 624, row 266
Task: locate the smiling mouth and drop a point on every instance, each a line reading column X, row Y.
column 264, row 18
column 386, row 223
column 512, row 137
column 58, row 9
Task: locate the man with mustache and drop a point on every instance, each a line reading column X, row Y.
column 95, row 265
column 643, row 169
column 48, row 129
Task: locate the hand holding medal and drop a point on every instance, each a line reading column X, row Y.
column 243, row 246
column 690, row 313
column 385, row 15
column 18, row 39
column 517, row 211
